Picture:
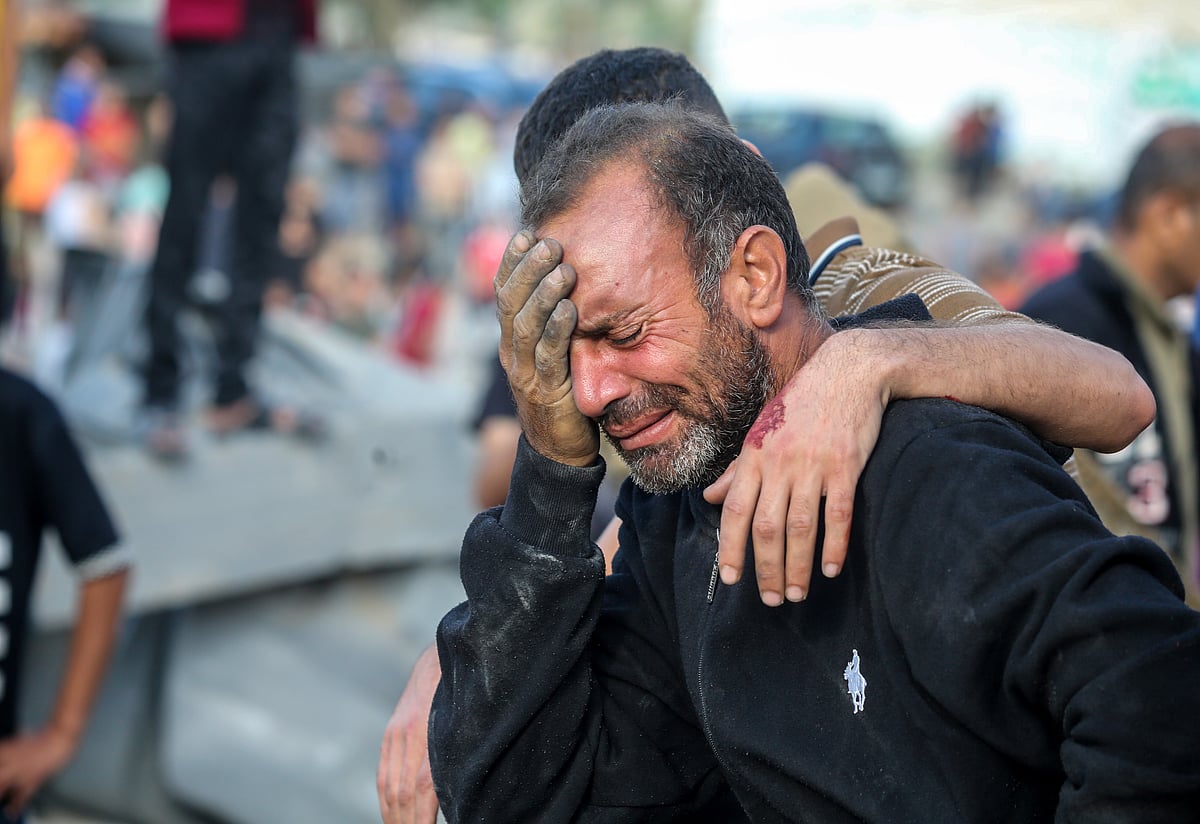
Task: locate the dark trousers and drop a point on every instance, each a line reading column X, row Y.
column 8, row 287
column 234, row 112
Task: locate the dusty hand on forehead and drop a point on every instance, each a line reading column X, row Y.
column 536, row 322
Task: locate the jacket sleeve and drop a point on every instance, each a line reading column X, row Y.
column 1061, row 645
column 550, row 708
column 68, row 497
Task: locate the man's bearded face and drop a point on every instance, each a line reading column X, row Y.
column 732, row 379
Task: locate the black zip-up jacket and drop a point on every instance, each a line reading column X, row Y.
column 1021, row 663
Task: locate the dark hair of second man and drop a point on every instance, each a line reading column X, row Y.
column 640, row 75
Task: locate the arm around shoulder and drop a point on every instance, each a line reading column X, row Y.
column 1048, row 380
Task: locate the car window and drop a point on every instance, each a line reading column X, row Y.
column 853, row 132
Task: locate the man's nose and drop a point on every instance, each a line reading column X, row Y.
column 595, row 378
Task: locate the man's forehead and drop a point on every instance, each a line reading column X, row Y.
column 614, row 182
column 623, row 245
column 612, row 215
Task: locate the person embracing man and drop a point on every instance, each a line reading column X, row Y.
column 791, row 491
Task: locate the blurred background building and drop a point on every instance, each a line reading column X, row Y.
column 283, row 590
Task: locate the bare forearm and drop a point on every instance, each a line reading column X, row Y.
column 497, row 450
column 1052, row 382
column 100, row 604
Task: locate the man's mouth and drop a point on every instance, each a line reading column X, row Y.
column 644, row 431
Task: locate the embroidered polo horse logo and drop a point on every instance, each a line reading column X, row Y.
column 855, row 683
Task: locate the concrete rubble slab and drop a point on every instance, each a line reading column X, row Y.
column 264, row 708
column 258, row 510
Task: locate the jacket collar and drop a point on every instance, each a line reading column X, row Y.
column 1108, row 271
column 829, row 241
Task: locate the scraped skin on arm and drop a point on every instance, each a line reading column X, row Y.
column 772, row 418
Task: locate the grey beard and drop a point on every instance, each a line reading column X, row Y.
column 696, row 462
column 740, row 379
column 707, row 447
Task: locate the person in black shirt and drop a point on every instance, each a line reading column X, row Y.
column 811, row 462
column 44, row 484
column 1118, row 296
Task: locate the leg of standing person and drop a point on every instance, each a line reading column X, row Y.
column 204, row 104
column 8, row 288
column 1196, row 326
column 261, row 166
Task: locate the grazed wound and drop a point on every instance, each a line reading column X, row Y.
column 772, row 418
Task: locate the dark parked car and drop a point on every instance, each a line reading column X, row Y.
column 860, row 148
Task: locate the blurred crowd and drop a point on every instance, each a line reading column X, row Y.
column 390, row 204
column 394, row 204
column 85, row 190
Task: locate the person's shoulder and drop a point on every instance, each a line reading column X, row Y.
column 862, row 277
column 860, row 264
column 936, row 422
column 1055, row 295
column 1089, row 302
column 918, row 415
column 935, row 412
column 942, row 463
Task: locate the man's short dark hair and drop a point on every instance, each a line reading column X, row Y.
column 700, row 171
column 1170, row 161
column 641, row 75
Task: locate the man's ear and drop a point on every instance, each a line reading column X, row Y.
column 755, row 284
column 1166, row 215
column 1181, row 212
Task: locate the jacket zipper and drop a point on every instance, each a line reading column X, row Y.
column 712, row 586
column 712, row 581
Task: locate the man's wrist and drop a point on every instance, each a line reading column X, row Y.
column 879, row 356
column 550, row 504
column 65, row 734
